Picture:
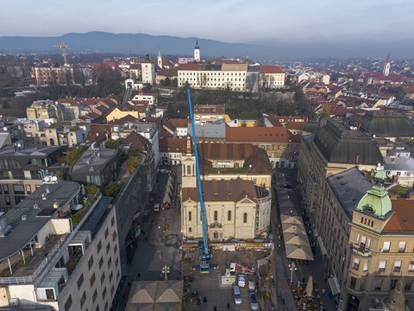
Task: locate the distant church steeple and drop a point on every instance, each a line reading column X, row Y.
column 387, row 66
column 159, row 59
column 197, row 56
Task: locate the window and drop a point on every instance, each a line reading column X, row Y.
column 378, row 284
column 111, row 276
column 386, row 247
column 229, row 215
column 408, row 286
column 92, row 279
column 190, row 229
column 104, row 293
column 411, row 266
column 107, row 248
column 397, row 266
column 115, row 248
column 95, row 294
column 393, row 283
column 50, row 294
column 365, row 266
column 189, row 216
column 353, row 283
column 245, row 218
column 68, row 303
column 80, row 281
column 215, row 215
column 401, row 247
column 90, row 262
column 109, row 262
column 114, row 235
column 106, row 233
column 381, row 265
column 99, row 246
column 188, row 170
column 355, row 264
column 83, row 299
column 112, row 220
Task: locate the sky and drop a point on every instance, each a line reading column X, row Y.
column 258, row 21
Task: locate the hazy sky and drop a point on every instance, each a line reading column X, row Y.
column 227, row 20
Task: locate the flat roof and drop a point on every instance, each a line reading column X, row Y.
column 97, row 216
column 31, row 214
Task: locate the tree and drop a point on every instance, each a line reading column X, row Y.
column 73, row 154
column 111, row 144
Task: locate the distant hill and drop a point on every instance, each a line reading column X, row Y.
column 139, row 43
column 125, row 43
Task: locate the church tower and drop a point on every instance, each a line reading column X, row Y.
column 387, row 66
column 197, row 56
column 159, row 59
column 188, row 167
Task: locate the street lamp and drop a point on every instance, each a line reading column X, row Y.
column 165, row 270
column 292, row 268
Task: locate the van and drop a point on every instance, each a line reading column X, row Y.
column 236, row 295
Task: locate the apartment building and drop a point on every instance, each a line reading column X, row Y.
column 22, row 169
column 53, row 256
column 148, row 72
column 42, row 110
column 51, row 75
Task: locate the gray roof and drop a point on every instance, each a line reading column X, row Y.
column 28, row 150
column 399, row 164
column 22, row 231
column 94, row 160
column 349, row 187
column 97, row 216
column 209, row 130
column 341, row 145
column 387, row 125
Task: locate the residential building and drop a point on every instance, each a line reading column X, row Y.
column 176, row 127
column 96, row 166
column 117, row 113
column 381, row 242
column 51, row 75
column 148, row 72
column 209, row 113
column 281, row 146
column 333, row 149
column 400, row 169
column 271, row 77
column 209, row 131
column 22, row 169
column 42, row 110
column 61, row 260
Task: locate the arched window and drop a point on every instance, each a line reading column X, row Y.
column 245, row 218
column 188, row 170
column 228, row 215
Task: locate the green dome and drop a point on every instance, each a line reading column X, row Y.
column 375, row 202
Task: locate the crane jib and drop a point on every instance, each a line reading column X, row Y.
column 206, row 251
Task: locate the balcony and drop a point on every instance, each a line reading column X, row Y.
column 361, row 250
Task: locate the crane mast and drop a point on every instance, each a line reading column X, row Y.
column 204, row 251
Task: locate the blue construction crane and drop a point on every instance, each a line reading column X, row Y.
column 205, row 254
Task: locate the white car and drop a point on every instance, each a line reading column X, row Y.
column 241, row 280
column 252, row 286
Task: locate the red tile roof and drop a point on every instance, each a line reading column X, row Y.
column 403, row 218
column 222, row 190
column 260, row 135
column 270, row 69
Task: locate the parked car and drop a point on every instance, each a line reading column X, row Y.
column 241, row 280
column 252, row 286
column 253, row 301
column 237, row 295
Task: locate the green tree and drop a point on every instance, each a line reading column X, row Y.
column 73, row 154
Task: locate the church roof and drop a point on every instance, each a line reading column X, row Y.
column 341, row 145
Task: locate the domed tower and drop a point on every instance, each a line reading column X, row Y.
column 197, row 55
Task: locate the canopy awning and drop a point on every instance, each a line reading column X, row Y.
column 288, row 219
column 334, row 285
column 299, row 252
column 296, row 239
